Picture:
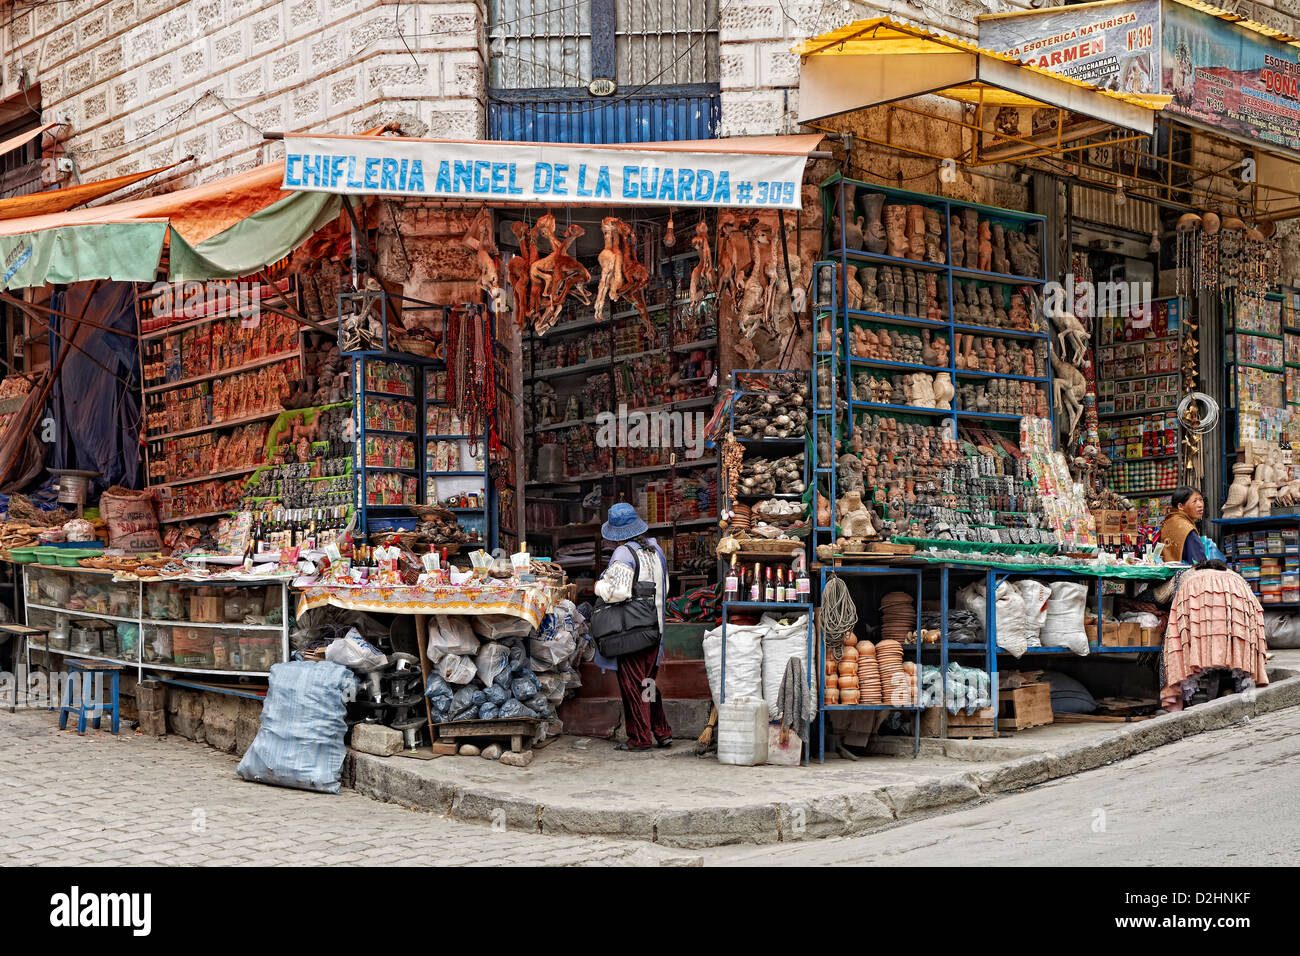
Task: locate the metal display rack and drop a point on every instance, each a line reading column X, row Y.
column 915, row 708
column 1231, row 405
column 619, row 476
column 40, row 615
column 1236, row 557
column 1176, row 310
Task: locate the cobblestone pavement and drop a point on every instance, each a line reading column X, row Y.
column 140, row 801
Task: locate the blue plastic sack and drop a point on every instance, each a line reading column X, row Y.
column 488, row 711
column 497, row 695
column 464, row 697
column 300, row 741
column 524, row 686
column 435, row 686
column 515, row 708
column 1212, row 552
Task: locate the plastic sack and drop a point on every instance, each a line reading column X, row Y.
column 551, row 654
column 463, row 698
column 1064, row 624
column 540, row 705
column 496, row 694
column 517, row 708
column 780, row 643
column 494, row 627
column 300, row 741
column 491, row 660
column 974, row 598
column 449, row 634
column 1035, row 594
column 456, row 669
column 1282, row 630
column 524, row 686
column 469, row 713
column 435, row 686
column 572, row 678
column 441, row 707
column 1012, row 623
column 489, row 710
column 518, row 654
column 356, row 652
column 744, row 660
column 552, row 687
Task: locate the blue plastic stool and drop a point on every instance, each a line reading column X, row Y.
column 85, row 671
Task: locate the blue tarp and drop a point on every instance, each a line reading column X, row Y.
column 98, row 417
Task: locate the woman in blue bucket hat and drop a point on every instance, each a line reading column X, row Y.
column 637, row 558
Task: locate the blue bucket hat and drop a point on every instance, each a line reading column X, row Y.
column 623, row 523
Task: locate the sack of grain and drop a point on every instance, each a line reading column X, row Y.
column 132, row 522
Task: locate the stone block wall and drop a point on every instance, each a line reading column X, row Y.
column 143, row 83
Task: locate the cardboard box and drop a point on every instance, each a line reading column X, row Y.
column 1109, row 522
column 1129, row 635
column 1151, row 637
column 1109, row 634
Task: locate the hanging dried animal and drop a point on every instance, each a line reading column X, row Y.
column 702, row 275
column 635, row 277
column 611, row 266
column 519, row 270
column 478, row 239
column 559, row 273
column 752, row 313
column 731, row 253
column 780, row 302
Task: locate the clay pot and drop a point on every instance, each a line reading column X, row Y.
column 849, row 695
column 846, row 667
column 832, row 695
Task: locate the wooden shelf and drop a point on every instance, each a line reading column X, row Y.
column 220, row 373
column 228, row 423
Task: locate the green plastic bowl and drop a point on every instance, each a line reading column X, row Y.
column 22, row 555
column 49, row 556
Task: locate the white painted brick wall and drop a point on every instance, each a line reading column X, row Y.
column 134, row 76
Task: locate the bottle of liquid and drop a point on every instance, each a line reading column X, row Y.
column 769, row 590
column 780, row 585
column 733, row 584
column 803, row 588
column 756, row 586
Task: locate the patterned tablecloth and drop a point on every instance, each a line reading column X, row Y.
column 530, row 602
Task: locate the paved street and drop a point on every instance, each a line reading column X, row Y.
column 1222, row 798
column 138, row 801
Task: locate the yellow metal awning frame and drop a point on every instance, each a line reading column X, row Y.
column 882, row 61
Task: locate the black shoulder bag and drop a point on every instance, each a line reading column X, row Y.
column 628, row 626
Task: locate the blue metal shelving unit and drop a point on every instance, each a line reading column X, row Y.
column 914, row 574
column 1229, row 525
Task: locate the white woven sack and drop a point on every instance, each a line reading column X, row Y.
column 744, row 661
column 1012, row 623
column 1064, row 624
column 780, row 643
column 1035, row 594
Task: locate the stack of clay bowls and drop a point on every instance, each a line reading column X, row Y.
column 897, row 616
column 832, row 695
column 893, row 678
column 868, row 674
column 847, row 670
column 741, row 516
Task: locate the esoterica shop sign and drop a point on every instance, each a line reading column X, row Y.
column 540, row 173
column 1113, row 46
column 1231, row 78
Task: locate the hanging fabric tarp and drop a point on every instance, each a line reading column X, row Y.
column 58, row 200
column 125, row 251
column 248, row 245
column 96, row 411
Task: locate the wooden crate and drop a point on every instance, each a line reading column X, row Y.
column 520, row 731
column 979, row 724
column 1025, row 707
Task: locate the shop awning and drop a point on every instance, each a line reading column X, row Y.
column 881, row 60
column 22, row 139
column 58, row 200
column 219, row 230
column 760, row 171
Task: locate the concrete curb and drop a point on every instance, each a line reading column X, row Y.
column 832, row 815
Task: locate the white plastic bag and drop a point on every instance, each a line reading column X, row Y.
column 1035, row 594
column 744, row 660
column 974, row 598
column 1011, row 620
column 1282, row 630
column 780, row 643
column 354, row 651
column 449, row 634
column 494, row 627
column 1064, row 624
column 456, row 669
column 490, row 661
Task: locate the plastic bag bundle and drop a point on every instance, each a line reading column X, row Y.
column 496, row 627
column 516, row 708
column 931, row 690
column 356, row 652
column 974, row 598
column 552, row 686
column 968, row 689
column 464, row 697
column 518, row 653
column 489, row 710
column 491, row 660
column 456, row 669
column 435, row 686
column 540, row 705
column 572, row 678
column 450, row 635
column 524, row 686
column 1064, row 624
column 496, row 694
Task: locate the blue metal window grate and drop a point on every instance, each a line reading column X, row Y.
column 550, row 118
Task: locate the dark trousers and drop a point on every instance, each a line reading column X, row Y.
column 643, row 706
